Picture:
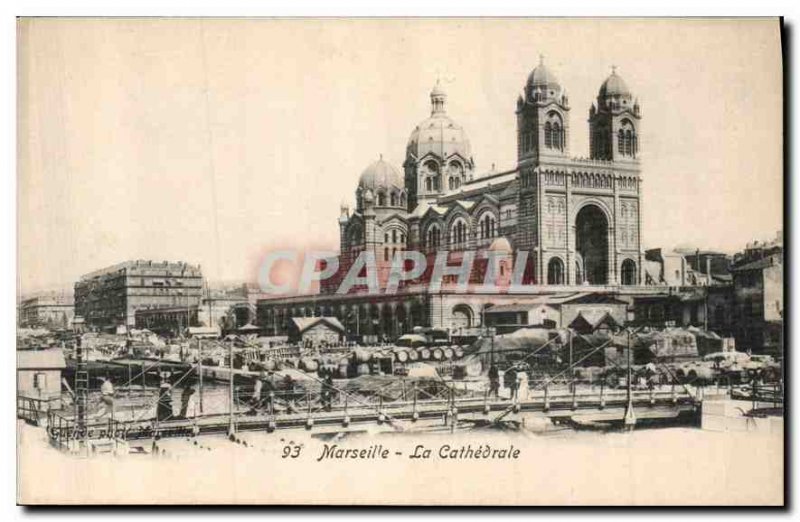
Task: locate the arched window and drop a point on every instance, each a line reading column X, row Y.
column 556, row 136
column 428, row 184
column 628, row 272
column 386, row 237
column 381, row 199
column 553, row 131
column 555, row 272
column 456, row 172
column 393, row 199
column 458, row 233
column 354, row 237
column 394, row 236
column 626, row 138
column 433, row 237
column 488, row 226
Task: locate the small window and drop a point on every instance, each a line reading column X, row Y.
column 40, row 381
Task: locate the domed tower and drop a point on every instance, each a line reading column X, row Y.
column 542, row 117
column 379, row 195
column 381, row 188
column 614, row 122
column 438, row 154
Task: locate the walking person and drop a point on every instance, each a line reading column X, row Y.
column 494, row 381
column 267, row 393
column 327, row 391
column 511, row 382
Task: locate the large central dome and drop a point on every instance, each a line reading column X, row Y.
column 439, row 134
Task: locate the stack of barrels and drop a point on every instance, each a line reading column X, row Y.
column 358, row 362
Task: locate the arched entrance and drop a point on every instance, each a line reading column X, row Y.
column 555, row 272
column 462, row 316
column 628, row 272
column 591, row 243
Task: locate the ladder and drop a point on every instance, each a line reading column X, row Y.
column 81, row 395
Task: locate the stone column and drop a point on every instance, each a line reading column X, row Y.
column 615, row 218
column 569, row 229
column 611, row 267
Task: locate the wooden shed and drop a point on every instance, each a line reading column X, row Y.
column 315, row 330
column 39, row 373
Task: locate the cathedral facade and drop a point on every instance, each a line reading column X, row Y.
column 579, row 219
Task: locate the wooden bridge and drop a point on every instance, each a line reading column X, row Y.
column 455, row 413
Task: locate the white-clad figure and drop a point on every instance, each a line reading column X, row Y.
column 522, row 385
column 107, row 397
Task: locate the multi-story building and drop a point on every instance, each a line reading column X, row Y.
column 110, row 297
column 758, row 304
column 55, row 311
column 224, row 308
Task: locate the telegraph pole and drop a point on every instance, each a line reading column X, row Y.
column 630, row 416
column 231, row 425
column 200, row 372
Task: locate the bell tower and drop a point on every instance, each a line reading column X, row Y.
column 542, row 139
column 614, row 122
column 542, row 118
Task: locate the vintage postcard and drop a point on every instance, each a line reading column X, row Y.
column 400, row 261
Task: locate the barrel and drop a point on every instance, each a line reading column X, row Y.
column 328, row 368
column 424, row 354
column 437, row 354
column 362, row 369
column 448, row 353
column 342, row 371
column 459, row 352
column 308, row 364
column 269, row 365
column 401, row 355
column 361, row 356
column 413, row 355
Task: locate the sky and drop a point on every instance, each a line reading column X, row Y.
column 215, row 141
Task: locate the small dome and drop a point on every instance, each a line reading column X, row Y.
column 614, row 86
column 541, row 80
column 541, row 76
column 381, row 174
column 500, row 244
column 542, row 86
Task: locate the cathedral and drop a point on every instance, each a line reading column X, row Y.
column 578, row 218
